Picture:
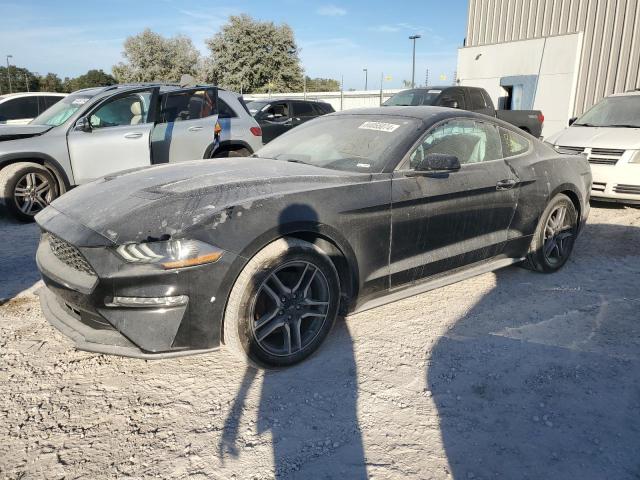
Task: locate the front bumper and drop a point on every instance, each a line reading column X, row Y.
column 80, row 304
column 616, row 183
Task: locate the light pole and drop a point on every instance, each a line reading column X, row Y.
column 9, row 72
column 413, row 67
column 366, row 75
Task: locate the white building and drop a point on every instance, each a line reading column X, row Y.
column 558, row 56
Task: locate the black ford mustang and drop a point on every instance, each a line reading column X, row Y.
column 342, row 214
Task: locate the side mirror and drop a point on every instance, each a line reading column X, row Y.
column 572, row 120
column 449, row 103
column 438, row 162
column 83, row 124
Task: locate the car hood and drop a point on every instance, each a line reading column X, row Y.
column 15, row 132
column 152, row 202
column 598, row 137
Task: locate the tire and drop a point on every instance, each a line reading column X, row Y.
column 553, row 239
column 26, row 189
column 295, row 264
column 240, row 152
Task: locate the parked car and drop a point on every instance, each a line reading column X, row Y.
column 472, row 99
column 344, row 213
column 21, row 108
column 99, row 131
column 609, row 136
column 281, row 115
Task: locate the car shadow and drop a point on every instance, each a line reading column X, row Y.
column 314, row 425
column 541, row 379
column 18, row 269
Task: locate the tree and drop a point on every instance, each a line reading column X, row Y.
column 93, row 78
column 322, row 85
column 151, row 57
column 252, row 56
column 20, row 77
column 51, row 83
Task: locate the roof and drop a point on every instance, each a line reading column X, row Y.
column 31, row 94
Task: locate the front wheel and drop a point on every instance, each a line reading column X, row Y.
column 555, row 236
column 282, row 305
column 27, row 188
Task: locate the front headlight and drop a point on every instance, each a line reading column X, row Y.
column 636, row 157
column 170, row 254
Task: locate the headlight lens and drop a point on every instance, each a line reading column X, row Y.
column 636, row 157
column 170, row 254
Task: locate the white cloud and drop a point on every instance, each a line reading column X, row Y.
column 331, row 11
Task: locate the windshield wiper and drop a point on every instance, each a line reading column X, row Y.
column 295, row 160
column 585, row 125
column 623, row 125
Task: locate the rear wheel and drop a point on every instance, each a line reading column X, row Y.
column 27, row 188
column 240, row 152
column 283, row 304
column 555, row 235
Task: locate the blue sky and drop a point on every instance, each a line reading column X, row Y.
column 336, row 38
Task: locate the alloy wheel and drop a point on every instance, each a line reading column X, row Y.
column 290, row 308
column 559, row 234
column 32, row 193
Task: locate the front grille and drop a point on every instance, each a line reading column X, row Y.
column 629, row 189
column 570, row 150
column 598, row 186
column 69, row 255
column 605, row 156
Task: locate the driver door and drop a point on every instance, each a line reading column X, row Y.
column 117, row 135
column 446, row 220
column 275, row 120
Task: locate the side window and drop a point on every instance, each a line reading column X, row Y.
column 224, row 110
column 469, row 140
column 451, row 97
column 49, row 101
column 188, row 105
column 512, row 143
column 477, row 100
column 131, row 109
column 19, row 108
column 301, row 109
column 277, row 112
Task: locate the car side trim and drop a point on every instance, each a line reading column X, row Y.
column 432, row 284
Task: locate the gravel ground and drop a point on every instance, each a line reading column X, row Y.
column 511, row 375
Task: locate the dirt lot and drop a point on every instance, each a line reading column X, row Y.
column 511, row 375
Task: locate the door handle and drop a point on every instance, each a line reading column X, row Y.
column 506, row 184
column 194, row 129
column 133, row 135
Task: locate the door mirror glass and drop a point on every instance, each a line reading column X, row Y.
column 572, row 120
column 83, row 125
column 438, row 162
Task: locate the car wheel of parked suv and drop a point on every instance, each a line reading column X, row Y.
column 554, row 237
column 282, row 305
column 240, row 152
column 27, row 188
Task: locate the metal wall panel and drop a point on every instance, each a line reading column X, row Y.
column 610, row 60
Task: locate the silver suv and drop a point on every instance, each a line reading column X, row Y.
column 95, row 132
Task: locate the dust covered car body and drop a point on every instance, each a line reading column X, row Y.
column 344, row 213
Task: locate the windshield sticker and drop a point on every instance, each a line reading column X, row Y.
column 363, row 165
column 79, row 101
column 379, row 126
column 434, row 91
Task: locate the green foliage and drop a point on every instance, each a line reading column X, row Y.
column 93, row 78
column 20, row 78
column 322, row 85
column 252, row 56
column 151, row 57
column 51, row 83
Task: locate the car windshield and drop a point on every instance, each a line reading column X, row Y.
column 61, row 111
column 255, row 107
column 413, row 98
column 622, row 111
column 355, row 143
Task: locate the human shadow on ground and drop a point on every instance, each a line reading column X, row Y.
column 310, row 408
column 19, row 242
column 541, row 379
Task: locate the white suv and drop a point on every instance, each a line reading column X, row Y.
column 609, row 135
column 21, row 108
